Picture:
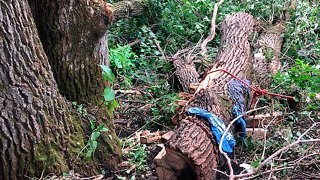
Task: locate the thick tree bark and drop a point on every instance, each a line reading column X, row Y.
column 192, row 141
column 37, row 131
column 74, row 36
column 266, row 59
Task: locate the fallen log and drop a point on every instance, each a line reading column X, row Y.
column 191, row 152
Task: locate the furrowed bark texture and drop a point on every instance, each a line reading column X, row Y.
column 36, row 129
column 266, row 59
column 125, row 9
column 70, row 32
column 185, row 72
column 74, row 36
column 192, row 139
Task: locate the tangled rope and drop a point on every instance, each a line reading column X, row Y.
column 256, row 91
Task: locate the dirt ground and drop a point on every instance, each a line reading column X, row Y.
column 131, row 118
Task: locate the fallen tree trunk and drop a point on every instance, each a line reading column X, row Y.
column 191, row 150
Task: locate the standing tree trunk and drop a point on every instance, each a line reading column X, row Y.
column 74, row 37
column 38, row 132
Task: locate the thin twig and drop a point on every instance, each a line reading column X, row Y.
column 269, row 171
column 221, row 172
column 163, row 55
column 212, row 32
column 265, row 162
column 265, row 138
column 223, row 136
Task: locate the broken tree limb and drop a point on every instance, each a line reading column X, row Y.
column 125, row 9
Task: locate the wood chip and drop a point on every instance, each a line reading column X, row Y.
column 167, row 136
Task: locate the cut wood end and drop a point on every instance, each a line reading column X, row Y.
column 161, row 153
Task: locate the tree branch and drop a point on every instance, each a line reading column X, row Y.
column 265, row 162
column 212, row 32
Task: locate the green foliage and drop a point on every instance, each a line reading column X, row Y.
column 109, row 99
column 145, row 69
column 301, row 79
column 123, row 62
column 183, row 20
column 108, row 92
column 302, row 32
column 138, row 156
column 165, row 107
column 93, row 143
column 80, row 108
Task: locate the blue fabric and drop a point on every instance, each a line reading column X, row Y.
column 241, row 122
column 217, row 127
column 237, row 92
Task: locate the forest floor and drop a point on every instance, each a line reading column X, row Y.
column 133, row 119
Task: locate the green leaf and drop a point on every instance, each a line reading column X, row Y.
column 89, row 154
column 100, row 127
column 92, row 125
column 107, row 73
column 94, row 146
column 118, row 63
column 108, row 94
column 94, row 135
column 255, row 163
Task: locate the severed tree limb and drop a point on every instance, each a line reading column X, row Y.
column 212, row 32
column 125, row 9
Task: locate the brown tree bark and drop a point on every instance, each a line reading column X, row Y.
column 192, row 149
column 38, row 132
column 74, row 37
column 266, row 56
